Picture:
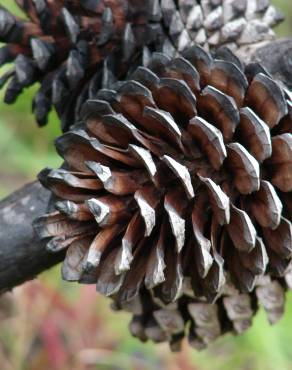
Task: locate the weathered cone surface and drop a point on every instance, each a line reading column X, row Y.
column 175, row 197
column 73, row 48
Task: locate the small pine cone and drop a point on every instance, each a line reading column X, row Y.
column 178, row 183
column 74, row 48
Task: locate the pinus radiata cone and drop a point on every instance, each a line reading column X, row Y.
column 175, row 197
column 74, row 48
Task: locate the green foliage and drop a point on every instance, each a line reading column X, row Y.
column 285, row 28
column 24, row 148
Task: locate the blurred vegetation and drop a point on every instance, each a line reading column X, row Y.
column 50, row 324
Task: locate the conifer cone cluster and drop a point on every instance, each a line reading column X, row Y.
column 74, row 48
column 175, row 197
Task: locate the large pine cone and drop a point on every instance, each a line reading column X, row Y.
column 75, row 48
column 175, row 197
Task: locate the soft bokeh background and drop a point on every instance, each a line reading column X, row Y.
column 50, row 324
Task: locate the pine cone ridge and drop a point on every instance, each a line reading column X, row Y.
column 75, row 48
column 175, row 195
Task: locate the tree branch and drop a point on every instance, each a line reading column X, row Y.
column 22, row 255
column 275, row 56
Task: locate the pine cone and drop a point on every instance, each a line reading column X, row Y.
column 175, row 197
column 64, row 45
column 75, row 48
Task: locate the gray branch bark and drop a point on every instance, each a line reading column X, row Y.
column 275, row 56
column 22, row 255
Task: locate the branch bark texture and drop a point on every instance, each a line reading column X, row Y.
column 275, row 56
column 22, row 255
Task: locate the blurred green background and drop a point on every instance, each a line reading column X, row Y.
column 49, row 324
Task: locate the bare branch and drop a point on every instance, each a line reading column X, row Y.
column 275, row 56
column 22, row 255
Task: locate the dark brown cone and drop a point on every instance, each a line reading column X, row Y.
column 176, row 193
column 74, row 48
